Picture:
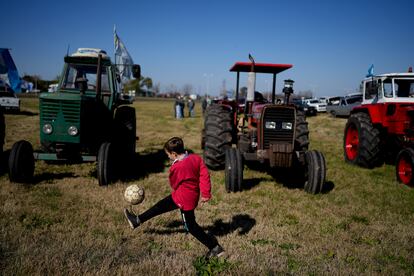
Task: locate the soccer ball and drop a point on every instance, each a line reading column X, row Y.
column 134, row 194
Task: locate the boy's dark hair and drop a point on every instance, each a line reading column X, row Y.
column 175, row 144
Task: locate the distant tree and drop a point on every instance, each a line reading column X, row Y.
column 147, row 82
column 138, row 84
column 187, row 89
column 305, row 93
column 171, row 89
column 223, row 91
column 156, row 88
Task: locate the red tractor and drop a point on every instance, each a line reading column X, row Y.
column 382, row 127
column 257, row 131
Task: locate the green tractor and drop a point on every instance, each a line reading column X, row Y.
column 86, row 120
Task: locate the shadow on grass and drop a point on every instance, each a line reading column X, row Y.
column 329, row 186
column 250, row 183
column 290, row 178
column 241, row 223
column 27, row 113
column 21, row 112
column 51, row 176
column 3, row 162
column 37, row 178
column 144, row 164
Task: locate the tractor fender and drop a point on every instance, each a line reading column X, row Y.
column 374, row 112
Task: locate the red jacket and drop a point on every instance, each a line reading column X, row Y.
column 188, row 178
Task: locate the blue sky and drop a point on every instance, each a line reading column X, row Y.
column 331, row 44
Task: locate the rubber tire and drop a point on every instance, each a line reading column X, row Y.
column 233, row 170
column 302, row 132
column 368, row 153
column 315, row 172
column 406, row 156
column 105, row 166
column 21, row 162
column 219, row 129
column 126, row 126
column 203, row 138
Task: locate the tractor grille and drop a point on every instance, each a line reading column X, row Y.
column 50, row 110
column 282, row 122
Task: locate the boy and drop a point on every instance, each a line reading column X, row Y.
column 188, row 178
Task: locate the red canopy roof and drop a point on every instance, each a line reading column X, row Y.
column 260, row 67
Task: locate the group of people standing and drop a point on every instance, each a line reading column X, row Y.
column 181, row 102
column 179, row 106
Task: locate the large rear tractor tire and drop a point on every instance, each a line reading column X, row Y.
column 233, row 170
column 21, row 162
column 219, row 128
column 404, row 167
column 315, row 172
column 302, row 132
column 362, row 142
column 106, row 165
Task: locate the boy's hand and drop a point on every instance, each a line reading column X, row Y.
column 204, row 200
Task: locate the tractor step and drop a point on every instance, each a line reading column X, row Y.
column 54, row 157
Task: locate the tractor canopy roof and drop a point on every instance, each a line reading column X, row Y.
column 392, row 75
column 260, row 67
column 88, row 56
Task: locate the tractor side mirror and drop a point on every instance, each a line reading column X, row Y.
column 136, row 71
column 82, row 84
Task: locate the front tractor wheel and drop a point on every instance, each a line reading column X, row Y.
column 105, row 166
column 218, row 135
column 362, row 143
column 315, row 172
column 405, row 166
column 233, row 170
column 21, row 162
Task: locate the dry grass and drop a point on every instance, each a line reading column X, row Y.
column 67, row 224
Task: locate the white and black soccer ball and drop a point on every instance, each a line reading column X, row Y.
column 134, row 194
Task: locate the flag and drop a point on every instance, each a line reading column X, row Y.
column 123, row 60
column 8, row 71
column 370, row 71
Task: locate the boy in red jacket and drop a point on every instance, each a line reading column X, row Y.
column 189, row 178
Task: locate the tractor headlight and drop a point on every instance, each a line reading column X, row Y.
column 286, row 125
column 73, row 131
column 47, row 128
column 270, row 125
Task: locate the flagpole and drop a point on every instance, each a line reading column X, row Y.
column 114, row 43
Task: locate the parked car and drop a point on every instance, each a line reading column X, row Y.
column 320, row 107
column 345, row 106
column 309, row 110
column 333, row 100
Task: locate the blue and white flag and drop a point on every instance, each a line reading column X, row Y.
column 8, row 71
column 123, row 60
column 370, row 71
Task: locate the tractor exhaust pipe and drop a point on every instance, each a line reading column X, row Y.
column 251, row 81
column 287, row 90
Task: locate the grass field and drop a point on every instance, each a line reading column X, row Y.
column 66, row 224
